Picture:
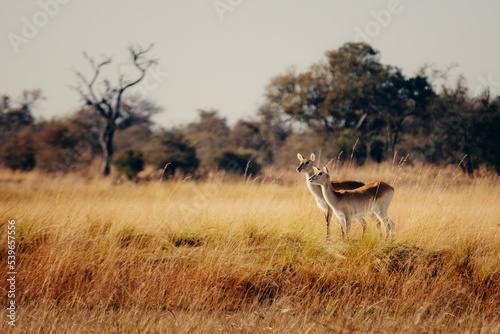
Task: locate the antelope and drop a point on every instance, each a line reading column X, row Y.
column 306, row 166
column 371, row 199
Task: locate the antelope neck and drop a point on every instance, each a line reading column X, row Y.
column 328, row 190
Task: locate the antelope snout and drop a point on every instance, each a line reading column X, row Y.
column 298, row 169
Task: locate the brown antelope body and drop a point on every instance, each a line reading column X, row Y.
column 371, row 199
column 306, row 166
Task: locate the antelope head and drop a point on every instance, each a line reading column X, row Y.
column 320, row 177
column 306, row 165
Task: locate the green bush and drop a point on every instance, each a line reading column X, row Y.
column 237, row 162
column 129, row 163
column 346, row 142
column 169, row 147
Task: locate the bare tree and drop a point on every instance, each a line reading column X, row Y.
column 107, row 100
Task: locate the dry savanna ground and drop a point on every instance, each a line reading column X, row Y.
column 250, row 256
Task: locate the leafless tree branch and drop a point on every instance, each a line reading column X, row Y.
column 108, row 102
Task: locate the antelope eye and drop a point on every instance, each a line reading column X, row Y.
column 320, row 174
column 307, row 162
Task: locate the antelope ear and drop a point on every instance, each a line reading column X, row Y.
column 313, row 157
column 300, row 156
column 315, row 169
column 325, row 170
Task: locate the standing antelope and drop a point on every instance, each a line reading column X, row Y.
column 373, row 198
column 306, row 166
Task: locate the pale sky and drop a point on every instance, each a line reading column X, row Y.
column 223, row 60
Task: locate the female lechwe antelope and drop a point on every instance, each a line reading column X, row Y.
column 306, row 166
column 373, row 198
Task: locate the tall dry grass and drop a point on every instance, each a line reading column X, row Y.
column 250, row 256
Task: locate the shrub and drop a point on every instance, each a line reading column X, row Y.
column 377, row 150
column 18, row 152
column 129, row 163
column 346, row 142
column 61, row 146
column 237, row 162
column 173, row 148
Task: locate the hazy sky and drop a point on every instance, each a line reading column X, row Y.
column 223, row 58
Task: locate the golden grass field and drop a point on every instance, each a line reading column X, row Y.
column 250, row 256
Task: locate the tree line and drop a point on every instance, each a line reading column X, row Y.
column 348, row 105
